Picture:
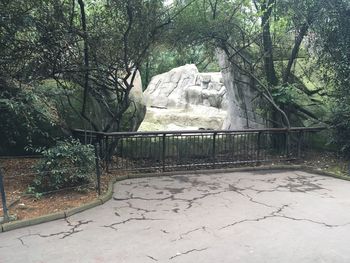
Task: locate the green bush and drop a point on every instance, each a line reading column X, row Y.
column 26, row 119
column 68, row 164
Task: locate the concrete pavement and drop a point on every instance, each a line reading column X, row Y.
column 268, row 216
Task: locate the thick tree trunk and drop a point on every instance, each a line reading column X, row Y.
column 86, row 65
column 299, row 39
column 269, row 66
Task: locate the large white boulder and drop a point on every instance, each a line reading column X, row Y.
column 185, row 99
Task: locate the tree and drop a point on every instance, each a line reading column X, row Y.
column 332, row 43
column 264, row 39
column 101, row 52
column 73, row 54
column 25, row 118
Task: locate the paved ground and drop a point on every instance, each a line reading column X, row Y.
column 236, row 217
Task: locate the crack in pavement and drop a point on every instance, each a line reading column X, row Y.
column 142, row 218
column 22, row 241
column 250, row 198
column 181, row 236
column 73, row 230
column 189, row 202
column 130, row 205
column 300, row 183
column 154, row 259
column 277, row 214
column 187, row 252
column 272, row 214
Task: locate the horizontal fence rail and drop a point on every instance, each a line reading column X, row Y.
column 179, row 150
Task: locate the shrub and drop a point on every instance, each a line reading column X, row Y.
column 68, row 164
column 26, row 119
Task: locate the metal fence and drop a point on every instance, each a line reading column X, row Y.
column 178, row 150
column 16, row 179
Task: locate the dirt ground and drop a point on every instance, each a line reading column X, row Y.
column 19, row 173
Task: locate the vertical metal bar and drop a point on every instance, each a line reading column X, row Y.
column 233, row 146
column 287, row 143
column 239, row 146
column 244, row 145
column 217, row 148
column 225, row 145
column 107, row 154
column 204, row 149
column 163, row 154
column 214, row 148
column 121, row 153
column 98, row 173
column 142, row 155
column 179, row 150
column 152, row 150
column 3, row 198
column 258, row 147
column 197, row 156
column 188, row 146
column 174, row 153
column 247, row 142
column 300, row 138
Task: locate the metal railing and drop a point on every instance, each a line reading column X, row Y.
column 3, row 201
column 178, row 150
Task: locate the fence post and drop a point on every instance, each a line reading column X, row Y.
column 106, row 154
column 163, row 152
column 3, row 198
column 287, row 143
column 214, row 149
column 98, row 172
column 258, row 148
column 301, row 135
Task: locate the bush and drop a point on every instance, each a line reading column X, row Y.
column 69, row 164
column 26, row 119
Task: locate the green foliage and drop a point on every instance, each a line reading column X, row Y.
column 333, row 46
column 46, row 40
column 164, row 57
column 286, row 94
column 26, row 119
column 68, row 164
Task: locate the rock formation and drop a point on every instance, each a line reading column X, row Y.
column 185, row 99
column 242, row 108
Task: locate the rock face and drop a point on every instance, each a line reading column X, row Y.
column 242, row 107
column 184, row 99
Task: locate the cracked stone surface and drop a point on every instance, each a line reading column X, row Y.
column 273, row 216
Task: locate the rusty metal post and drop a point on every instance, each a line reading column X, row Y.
column 258, row 147
column 214, row 149
column 301, row 136
column 98, row 172
column 107, row 154
column 163, row 152
column 287, row 146
column 3, row 198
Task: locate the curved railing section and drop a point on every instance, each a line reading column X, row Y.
column 179, row 150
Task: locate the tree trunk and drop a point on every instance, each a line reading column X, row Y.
column 269, row 66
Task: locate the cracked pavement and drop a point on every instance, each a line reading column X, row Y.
column 267, row 216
